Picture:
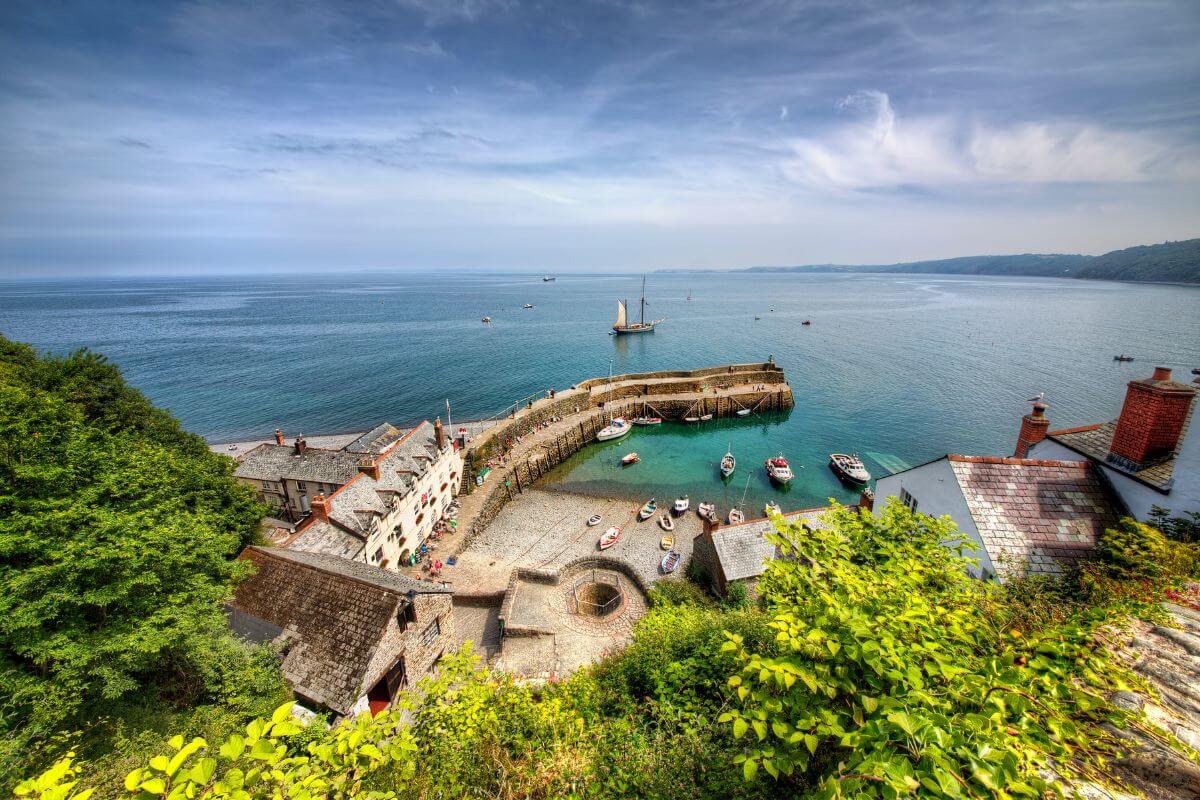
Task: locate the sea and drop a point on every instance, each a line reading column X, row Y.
column 899, row 369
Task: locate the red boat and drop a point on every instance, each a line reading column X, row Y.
column 779, row 469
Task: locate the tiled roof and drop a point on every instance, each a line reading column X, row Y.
column 359, row 571
column 319, row 536
column 376, row 440
column 1034, row 514
column 272, row 462
column 1094, row 441
column 743, row 550
column 363, row 498
column 332, row 621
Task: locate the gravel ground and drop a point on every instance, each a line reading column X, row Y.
column 546, row 529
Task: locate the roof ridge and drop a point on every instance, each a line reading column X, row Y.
column 1077, row 429
column 291, row 556
column 381, row 456
column 1019, row 462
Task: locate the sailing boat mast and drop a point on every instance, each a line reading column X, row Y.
column 643, row 318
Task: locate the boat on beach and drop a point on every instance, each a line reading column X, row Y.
column 647, row 511
column 705, row 510
column 615, row 429
column 728, row 463
column 666, row 523
column 682, row 503
column 736, row 517
column 647, row 421
column 667, row 542
column 594, row 520
column 849, row 468
column 670, row 561
column 630, row 458
column 779, row 470
column 609, row 538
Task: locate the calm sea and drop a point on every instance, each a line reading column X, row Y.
column 897, row 368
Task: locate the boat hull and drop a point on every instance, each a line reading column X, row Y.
column 630, row 329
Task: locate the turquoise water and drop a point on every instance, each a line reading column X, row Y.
column 900, row 368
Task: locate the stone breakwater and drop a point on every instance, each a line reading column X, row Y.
column 520, row 450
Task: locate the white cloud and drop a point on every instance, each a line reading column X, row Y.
column 881, row 150
column 783, row 112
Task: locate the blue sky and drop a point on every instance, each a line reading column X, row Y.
column 185, row 137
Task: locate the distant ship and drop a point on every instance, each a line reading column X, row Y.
column 622, row 325
column 547, row 279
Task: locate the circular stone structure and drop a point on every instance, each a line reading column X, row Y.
column 600, row 599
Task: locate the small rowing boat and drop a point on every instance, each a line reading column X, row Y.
column 647, row 421
column 670, row 561
column 647, row 511
column 682, row 504
column 705, row 509
column 691, row 419
column 594, row 520
column 705, row 417
column 728, row 463
column 666, row 542
column 609, row 538
column 630, row 458
column 743, row 412
column 666, row 523
column 736, row 517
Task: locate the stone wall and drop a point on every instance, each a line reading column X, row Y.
column 418, row 658
column 554, row 577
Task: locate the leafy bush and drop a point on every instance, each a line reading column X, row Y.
column 891, row 681
column 736, row 595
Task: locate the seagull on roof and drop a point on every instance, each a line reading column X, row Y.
column 1037, row 399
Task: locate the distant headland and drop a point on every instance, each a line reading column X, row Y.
column 1169, row 262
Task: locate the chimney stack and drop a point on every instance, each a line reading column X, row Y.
column 370, row 466
column 320, row 506
column 439, row 434
column 279, row 437
column 1034, row 426
column 301, row 445
column 866, row 499
column 1152, row 420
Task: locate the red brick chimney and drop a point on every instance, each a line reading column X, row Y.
column 866, row 499
column 1033, row 429
column 439, row 435
column 369, row 466
column 320, row 506
column 301, row 445
column 1152, row 420
column 279, row 437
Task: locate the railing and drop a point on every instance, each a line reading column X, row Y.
column 597, row 609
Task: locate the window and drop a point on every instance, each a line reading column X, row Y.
column 378, row 556
column 406, row 616
column 301, row 487
column 396, row 677
column 908, row 500
column 430, row 634
column 268, row 485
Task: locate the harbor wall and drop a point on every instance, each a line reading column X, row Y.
column 585, row 418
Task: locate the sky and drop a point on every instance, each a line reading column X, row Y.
column 218, row 136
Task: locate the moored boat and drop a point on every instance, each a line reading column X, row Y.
column 682, row 504
column 609, row 538
column 705, row 509
column 623, row 325
column 527, row 305
column 728, row 463
column 1122, row 357
column 630, row 458
column 849, row 468
column 647, row 511
column 691, row 419
column 647, row 421
column 772, row 508
column 615, row 429
column 705, row 417
column 670, row 561
column 547, row 279
column 666, row 523
column 594, row 520
column 736, row 517
column 779, row 470
column 742, row 412
column 486, row 320
column 807, row 322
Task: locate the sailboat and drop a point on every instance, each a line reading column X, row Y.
column 728, row 463
column 689, row 295
column 623, row 325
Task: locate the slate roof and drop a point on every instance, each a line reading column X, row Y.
column 1036, row 514
column 376, row 440
column 360, row 500
column 272, row 462
column 1094, row 441
column 333, row 614
column 319, row 536
column 743, row 550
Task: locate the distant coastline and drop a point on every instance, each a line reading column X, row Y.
column 1169, row 262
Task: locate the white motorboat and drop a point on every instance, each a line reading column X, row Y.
column 527, row 305
column 691, row 419
column 705, row 417
column 630, row 458
column 705, row 509
column 850, row 468
column 728, row 464
column 736, row 517
column 779, row 469
column 486, row 320
column 682, row 504
column 647, row 421
column 666, row 523
column 594, row 520
column 615, row 429
column 772, row 508
column 743, row 412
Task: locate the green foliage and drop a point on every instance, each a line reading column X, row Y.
column 736, row 595
column 892, row 680
column 118, row 532
column 265, row 761
column 672, row 591
column 1132, row 549
column 1184, row 529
